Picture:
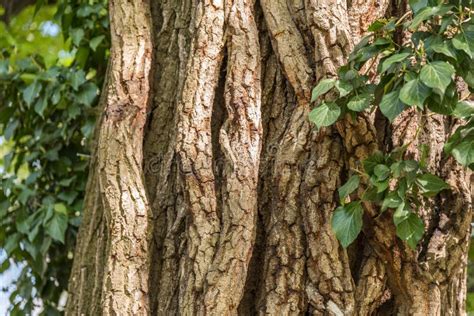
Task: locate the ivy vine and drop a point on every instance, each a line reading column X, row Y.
column 423, row 72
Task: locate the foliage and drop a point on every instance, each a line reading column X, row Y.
column 47, row 116
column 391, row 183
column 424, row 72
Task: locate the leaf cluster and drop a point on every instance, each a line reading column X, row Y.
column 391, row 183
column 433, row 72
column 47, row 117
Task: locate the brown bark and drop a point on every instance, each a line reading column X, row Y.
column 239, row 186
column 117, row 177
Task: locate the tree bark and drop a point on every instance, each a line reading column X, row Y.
column 210, row 193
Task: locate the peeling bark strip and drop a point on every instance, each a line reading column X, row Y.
column 226, row 207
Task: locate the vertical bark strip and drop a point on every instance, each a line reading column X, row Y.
column 240, row 140
column 125, row 286
column 173, row 27
column 194, row 148
column 85, row 284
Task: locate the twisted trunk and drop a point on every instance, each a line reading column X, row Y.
column 217, row 197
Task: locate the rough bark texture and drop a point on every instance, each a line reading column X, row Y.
column 217, row 198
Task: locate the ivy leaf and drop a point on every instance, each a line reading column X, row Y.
column 437, row 74
column 12, row 242
column 381, row 172
column 343, row 87
column 31, row 92
column 461, row 145
column 380, row 185
column 376, row 25
column 430, row 184
column 414, row 92
column 78, row 78
column 441, row 46
column 464, row 109
column 359, row 102
column 325, row 114
column 87, row 93
column 10, row 129
column 464, row 152
column 60, row 208
column 417, row 5
column 461, row 42
column 323, row 86
column 95, row 42
column 410, row 227
column 347, row 222
column 77, row 34
column 350, row 186
column 425, row 14
column 372, row 161
column 396, row 58
column 391, row 106
column 56, row 226
column 391, row 201
column 41, row 105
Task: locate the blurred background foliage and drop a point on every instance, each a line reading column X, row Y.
column 53, row 58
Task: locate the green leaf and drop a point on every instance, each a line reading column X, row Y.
column 56, row 226
column 12, row 243
column 31, row 92
column 381, row 172
column 425, row 14
column 359, row 102
column 381, row 185
column 430, row 184
column 323, row 86
column 417, row 5
column 442, row 47
column 464, row 109
column 343, row 87
column 437, row 74
column 464, row 152
column 462, row 41
column 325, row 115
column 350, row 186
column 391, row 201
column 376, row 25
column 414, row 92
column 397, row 169
column 347, row 222
column 60, row 208
column 95, row 42
column 87, row 93
column 391, row 106
column 410, row 227
column 396, row 58
column 372, row 161
column 10, row 129
column 41, row 105
column 77, row 79
column 77, row 34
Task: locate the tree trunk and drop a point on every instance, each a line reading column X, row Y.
column 210, row 192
